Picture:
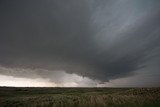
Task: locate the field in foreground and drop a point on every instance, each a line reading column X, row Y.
column 79, row 97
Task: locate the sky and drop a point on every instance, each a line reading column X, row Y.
column 80, row 43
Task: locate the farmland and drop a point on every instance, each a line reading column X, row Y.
column 79, row 97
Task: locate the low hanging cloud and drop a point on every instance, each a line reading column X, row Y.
column 42, row 77
column 100, row 40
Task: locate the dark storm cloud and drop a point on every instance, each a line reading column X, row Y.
column 98, row 39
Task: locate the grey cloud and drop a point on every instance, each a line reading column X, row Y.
column 54, row 78
column 101, row 40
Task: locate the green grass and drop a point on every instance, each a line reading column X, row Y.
column 79, row 97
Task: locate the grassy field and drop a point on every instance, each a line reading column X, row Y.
column 79, row 97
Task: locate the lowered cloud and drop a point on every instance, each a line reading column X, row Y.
column 42, row 77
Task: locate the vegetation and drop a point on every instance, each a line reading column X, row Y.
column 79, row 97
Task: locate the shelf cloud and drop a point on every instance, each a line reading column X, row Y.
column 102, row 40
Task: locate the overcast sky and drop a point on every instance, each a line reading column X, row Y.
column 113, row 43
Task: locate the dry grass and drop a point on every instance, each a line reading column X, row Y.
column 79, row 97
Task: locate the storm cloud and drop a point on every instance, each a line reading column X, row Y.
column 101, row 40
